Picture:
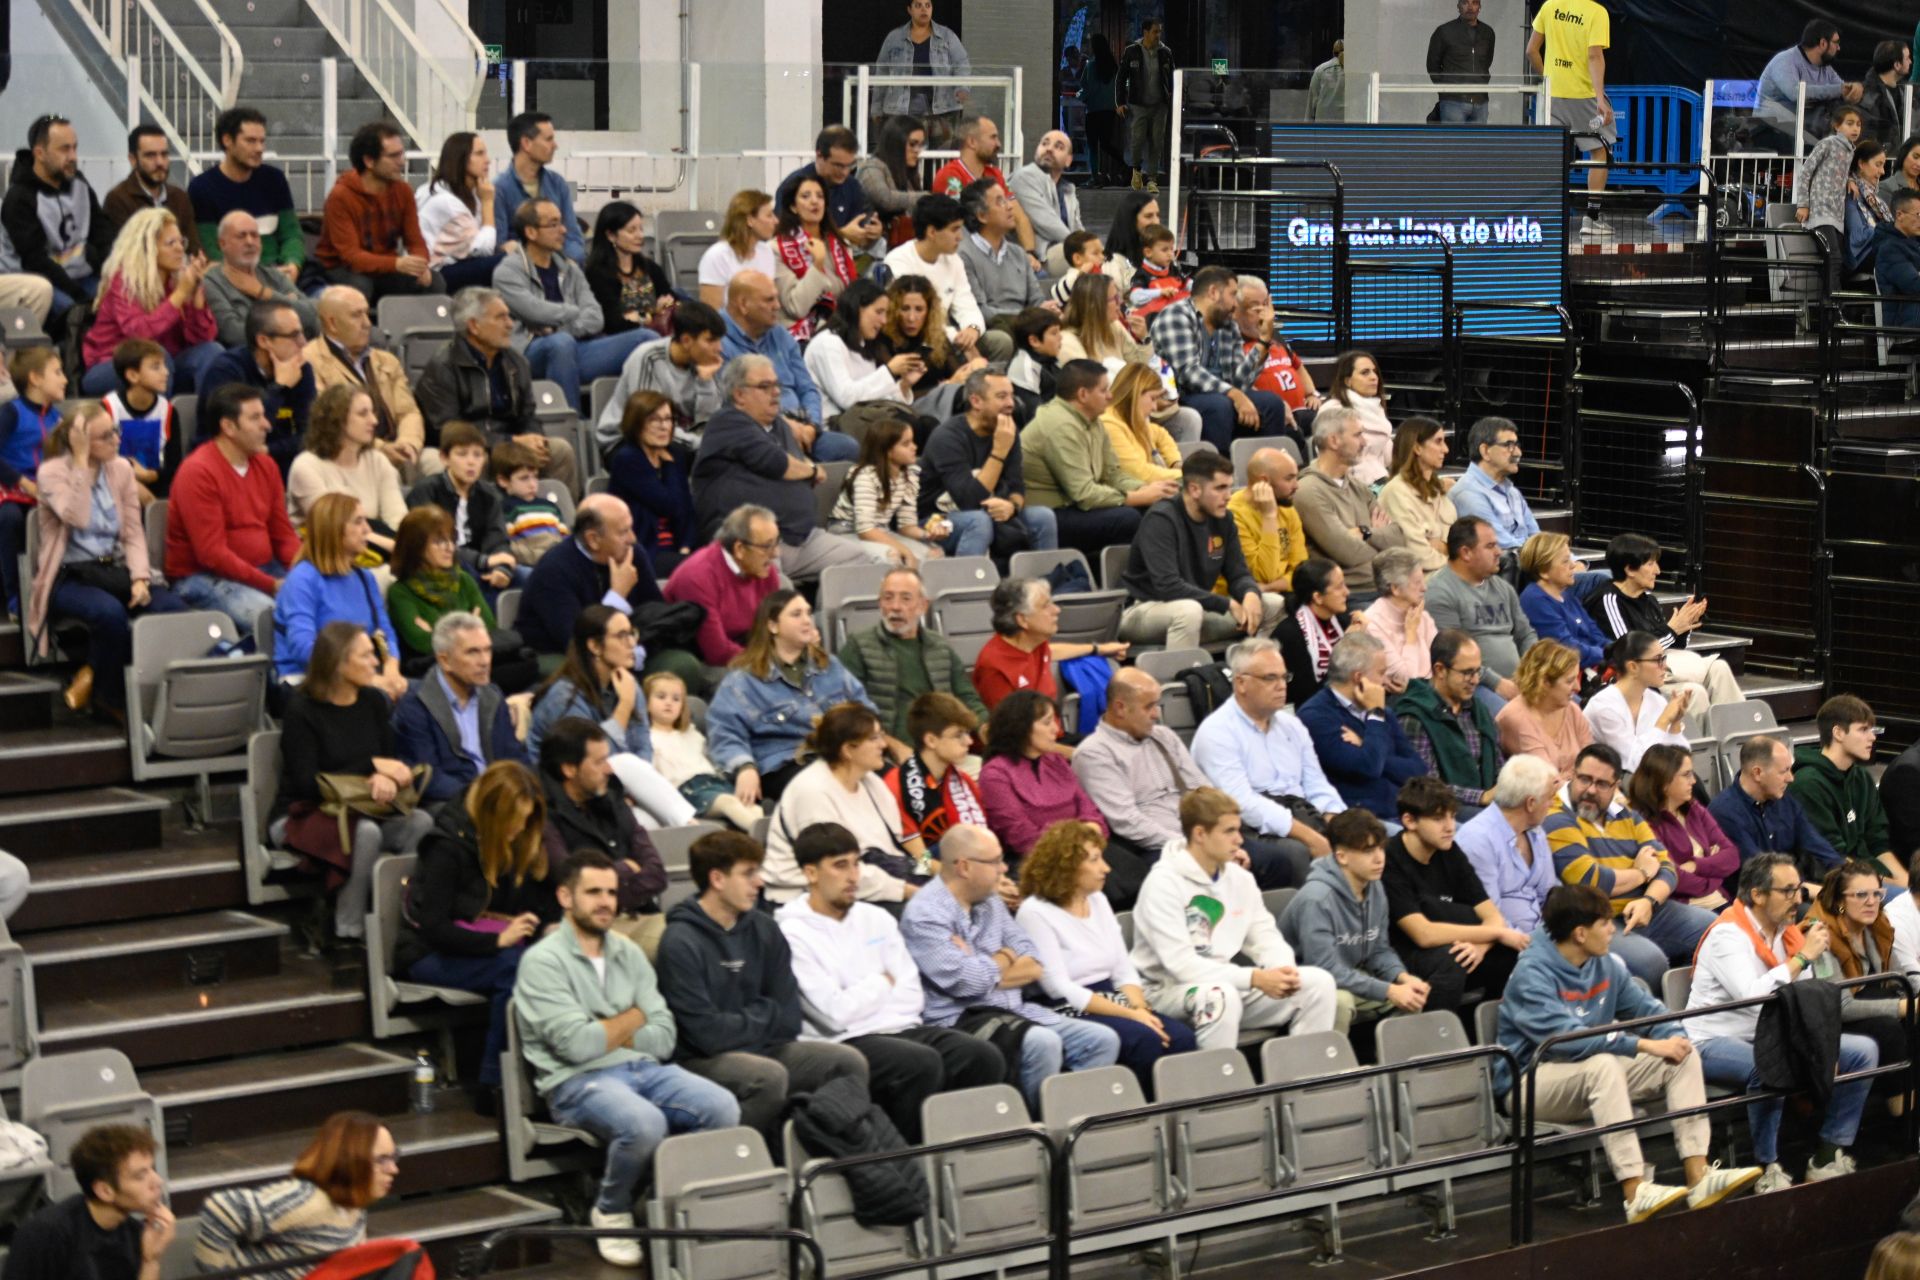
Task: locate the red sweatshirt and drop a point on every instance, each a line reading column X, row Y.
column 368, row 233
column 729, row 599
column 225, row 524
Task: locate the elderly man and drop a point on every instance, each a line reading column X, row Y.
column 274, row 363
column 1760, row 815
column 344, row 353
column 1263, row 757
column 1200, row 341
column 456, row 719
column 1050, row 201
column 1270, row 534
column 597, row 565
column 1341, row 519
column 1185, row 545
column 237, row 280
column 1470, row 595
column 750, row 453
column 1449, row 728
column 1285, row 374
column 754, row 329
column 478, row 377
column 1506, row 845
column 728, row 578
column 1001, row 277
column 901, row 659
column 1358, row 741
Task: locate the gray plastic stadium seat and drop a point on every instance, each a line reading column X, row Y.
column 23, row 1186
column 1445, row 1110
column 389, row 992
column 1732, row 724
column 1113, row 565
column 1245, row 447
column 1125, row 920
column 1276, row 900
column 840, row 583
column 722, row 1178
column 598, row 395
column 1090, row 617
column 984, row 1195
column 263, row 631
column 1675, row 985
column 506, row 610
column 416, row 328
column 958, row 573
column 965, row 618
column 1164, row 664
column 1118, row 1174
column 854, row 615
column 1221, row 1151
column 19, row 1014
column 827, row 492
column 156, row 526
column 186, row 419
column 683, row 236
column 257, row 799
column 188, row 713
column 1038, row 564
column 529, row 1128
column 561, row 498
column 1486, row 1021
column 826, row 1214
column 66, row 1094
column 674, row 843
column 1333, row 1131
column 18, row 328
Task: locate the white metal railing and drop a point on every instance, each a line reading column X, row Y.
column 163, row 76
column 430, row 96
column 856, row 106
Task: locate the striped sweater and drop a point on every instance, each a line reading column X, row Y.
column 1590, row 853
column 291, row 1218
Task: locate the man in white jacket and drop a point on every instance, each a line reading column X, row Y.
column 1199, row 908
column 859, row 986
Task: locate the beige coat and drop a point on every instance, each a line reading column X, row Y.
column 389, row 378
column 66, row 503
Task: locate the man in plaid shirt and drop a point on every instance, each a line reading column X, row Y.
column 1199, row 340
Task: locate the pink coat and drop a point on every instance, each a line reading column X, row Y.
column 66, row 503
column 118, row 317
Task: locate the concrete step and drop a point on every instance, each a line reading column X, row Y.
column 286, row 78
column 1792, row 698
column 74, row 753
column 245, row 1097
column 305, row 109
column 198, row 952
column 105, row 820
column 451, row 1223
column 26, row 699
column 193, row 871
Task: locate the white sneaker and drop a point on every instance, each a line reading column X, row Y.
column 1841, row 1166
column 1721, row 1183
column 1650, row 1199
column 620, row 1253
column 1594, row 229
column 1774, row 1179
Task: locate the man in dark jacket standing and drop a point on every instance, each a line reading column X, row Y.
column 727, row 973
column 587, row 808
column 1461, row 52
column 456, row 718
column 1144, row 98
column 1185, row 545
column 478, row 377
column 52, row 217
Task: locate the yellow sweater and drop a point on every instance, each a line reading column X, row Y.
column 1133, row 459
column 1270, row 556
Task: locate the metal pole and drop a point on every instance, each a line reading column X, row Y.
column 1800, row 123
column 1016, row 130
column 1705, row 214
column 1172, row 216
column 330, row 115
column 1373, row 97
column 519, row 73
column 693, row 135
column 133, row 99
column 863, row 106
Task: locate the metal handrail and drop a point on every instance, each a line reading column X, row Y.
column 390, row 54
column 149, row 52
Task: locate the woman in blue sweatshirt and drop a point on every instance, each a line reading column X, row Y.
column 1552, row 601
column 325, row 586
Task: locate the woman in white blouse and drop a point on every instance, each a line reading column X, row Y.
column 881, row 500
column 843, row 785
column 746, row 241
column 1083, row 955
column 342, row 457
column 848, row 359
column 1356, row 384
column 456, row 214
column 1632, row 714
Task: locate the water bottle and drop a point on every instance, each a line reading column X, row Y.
column 422, row 1083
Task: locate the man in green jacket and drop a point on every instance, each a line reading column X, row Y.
column 1832, row 784
column 597, row 1033
column 900, row 659
column 1069, row 466
column 1449, row 727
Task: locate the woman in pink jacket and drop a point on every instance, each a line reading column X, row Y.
column 1704, row 858
column 150, row 288
column 1025, row 785
column 93, row 567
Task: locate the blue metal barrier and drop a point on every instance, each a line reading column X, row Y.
column 1658, row 125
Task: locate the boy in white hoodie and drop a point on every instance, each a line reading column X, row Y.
column 859, row 986
column 1199, row 908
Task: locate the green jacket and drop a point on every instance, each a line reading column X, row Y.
column 559, row 1003
column 1843, row 807
column 409, row 610
column 1067, row 461
column 1457, row 765
column 869, row 655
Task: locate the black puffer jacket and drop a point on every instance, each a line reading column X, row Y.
column 839, row 1119
column 1797, row 1042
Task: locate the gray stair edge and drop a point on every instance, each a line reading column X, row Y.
column 240, row 926
column 270, row 1170
column 378, row 1062
column 211, row 1013
column 74, row 804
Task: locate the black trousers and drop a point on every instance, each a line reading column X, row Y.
column 1279, row 862
column 1091, row 532
column 905, row 1068
column 1450, row 982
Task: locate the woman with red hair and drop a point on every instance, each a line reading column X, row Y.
column 320, row 1209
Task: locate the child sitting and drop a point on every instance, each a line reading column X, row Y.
column 1085, row 256
column 1157, row 283
column 932, row 785
column 680, row 754
column 1036, row 339
column 145, row 416
column 534, row 526
column 24, row 423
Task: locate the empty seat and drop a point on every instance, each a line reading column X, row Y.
column 1117, row 1175
column 1442, row 1110
column 506, row 610
column 388, row 992
column 192, row 708
column 21, row 329
column 1330, row 1131
column 826, row 1214
column 827, row 492
column 415, row 328
column 954, row 573
column 684, row 235
column 965, row 618
column 988, row 1195
column 65, row 1094
column 1221, row 1151
column 1276, row 900
column 1113, row 565
column 599, row 395
column 156, row 525
column 673, row 843
column 1165, row 664
column 265, row 861
column 1089, row 617
column 722, row 1179
column 1038, row 564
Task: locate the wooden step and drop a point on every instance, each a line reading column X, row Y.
column 26, row 700
column 72, row 823
column 244, row 1097
column 13, row 644
column 192, row 871
column 74, row 753
column 305, row 1003
column 451, row 1223
column 170, row 953
column 1792, row 698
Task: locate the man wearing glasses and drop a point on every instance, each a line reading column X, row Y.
column 1450, row 728
column 274, row 363
column 370, row 229
column 728, row 578
column 1597, row 840
column 1487, row 492
column 1753, row 949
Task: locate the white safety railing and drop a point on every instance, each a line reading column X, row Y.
column 429, row 95
column 184, row 97
column 1535, row 99
column 856, row 99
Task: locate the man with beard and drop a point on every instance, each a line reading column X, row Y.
column 1201, row 343
column 147, row 186
column 1270, row 534
column 979, row 141
column 900, row 659
column 597, row 1034
column 588, row 808
column 1597, row 840
column 1051, row 203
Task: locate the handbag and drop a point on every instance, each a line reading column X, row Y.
column 345, row 795
column 110, row 576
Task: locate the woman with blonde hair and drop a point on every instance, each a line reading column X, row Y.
column 1415, row 495
column 1091, row 328
column 1544, row 721
column 343, row 455
column 917, row 325
column 745, row 244
column 480, row 895
column 150, row 288
column 1144, row 448
column 1552, row 602
column 321, row 1208
column 1896, row 1257
column 1084, row 958
column 326, row 584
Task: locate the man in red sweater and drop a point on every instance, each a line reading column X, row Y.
column 229, row 541
column 370, row 230
column 729, row 577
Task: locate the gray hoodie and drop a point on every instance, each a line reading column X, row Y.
column 1331, row 929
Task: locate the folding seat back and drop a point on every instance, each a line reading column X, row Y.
column 988, row 1194
column 1221, row 1150
column 1117, row 1173
column 722, row 1179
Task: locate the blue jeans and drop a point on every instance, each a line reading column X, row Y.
column 109, row 632
column 1073, row 1043
column 1140, row 1045
column 89, row 289
column 237, row 600
column 569, row 361
column 632, row 1108
column 13, row 544
column 470, row 271
column 1670, row 936
column 491, row 976
column 186, row 368
column 834, row 446
column 974, row 532
column 1219, row 427
column 1728, row 1060
column 1463, row 112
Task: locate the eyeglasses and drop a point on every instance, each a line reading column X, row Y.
column 1470, row 673
column 764, row 548
column 761, row 386
column 1505, row 444
column 287, row 336
column 1793, row 888
column 1654, row 659
column 1866, row 895
column 1269, row 679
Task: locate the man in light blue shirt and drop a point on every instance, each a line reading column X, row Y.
column 1518, row 884
column 1487, row 492
column 1809, row 63
column 753, row 329
column 1257, row 753
column 530, row 136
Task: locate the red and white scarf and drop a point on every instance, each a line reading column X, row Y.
column 1319, row 644
column 793, row 251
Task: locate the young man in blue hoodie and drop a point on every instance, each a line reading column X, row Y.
column 1338, row 922
column 1565, row 981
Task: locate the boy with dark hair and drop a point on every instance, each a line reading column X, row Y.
column 533, row 524
column 24, row 423
column 1036, row 337
column 727, row 972
column 1084, row 253
column 117, row 1228
column 1565, row 981
column 1833, row 785
column 144, row 414
column 477, row 508
column 1157, row 282
column 935, row 795
column 1446, row 928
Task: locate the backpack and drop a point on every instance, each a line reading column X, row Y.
column 1068, row 578
column 1209, row 687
